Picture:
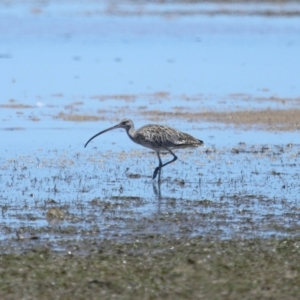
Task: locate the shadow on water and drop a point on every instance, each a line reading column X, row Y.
column 157, row 190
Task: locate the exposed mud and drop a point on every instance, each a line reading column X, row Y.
column 156, row 268
column 77, row 117
column 274, row 120
column 278, row 114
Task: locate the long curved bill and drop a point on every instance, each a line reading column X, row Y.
column 108, row 129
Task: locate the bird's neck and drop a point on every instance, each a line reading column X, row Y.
column 130, row 132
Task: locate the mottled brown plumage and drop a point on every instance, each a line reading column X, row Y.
column 156, row 137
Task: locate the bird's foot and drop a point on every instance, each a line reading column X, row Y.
column 155, row 172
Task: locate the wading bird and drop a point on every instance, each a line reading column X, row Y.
column 158, row 138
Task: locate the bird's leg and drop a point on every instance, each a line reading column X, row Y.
column 174, row 158
column 157, row 169
column 161, row 165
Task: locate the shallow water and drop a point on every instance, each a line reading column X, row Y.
column 246, row 191
column 79, row 55
column 68, row 74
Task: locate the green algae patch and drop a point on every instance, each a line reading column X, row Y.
column 157, row 268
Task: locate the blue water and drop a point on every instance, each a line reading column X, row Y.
column 81, row 55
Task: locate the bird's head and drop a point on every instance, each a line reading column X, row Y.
column 127, row 124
